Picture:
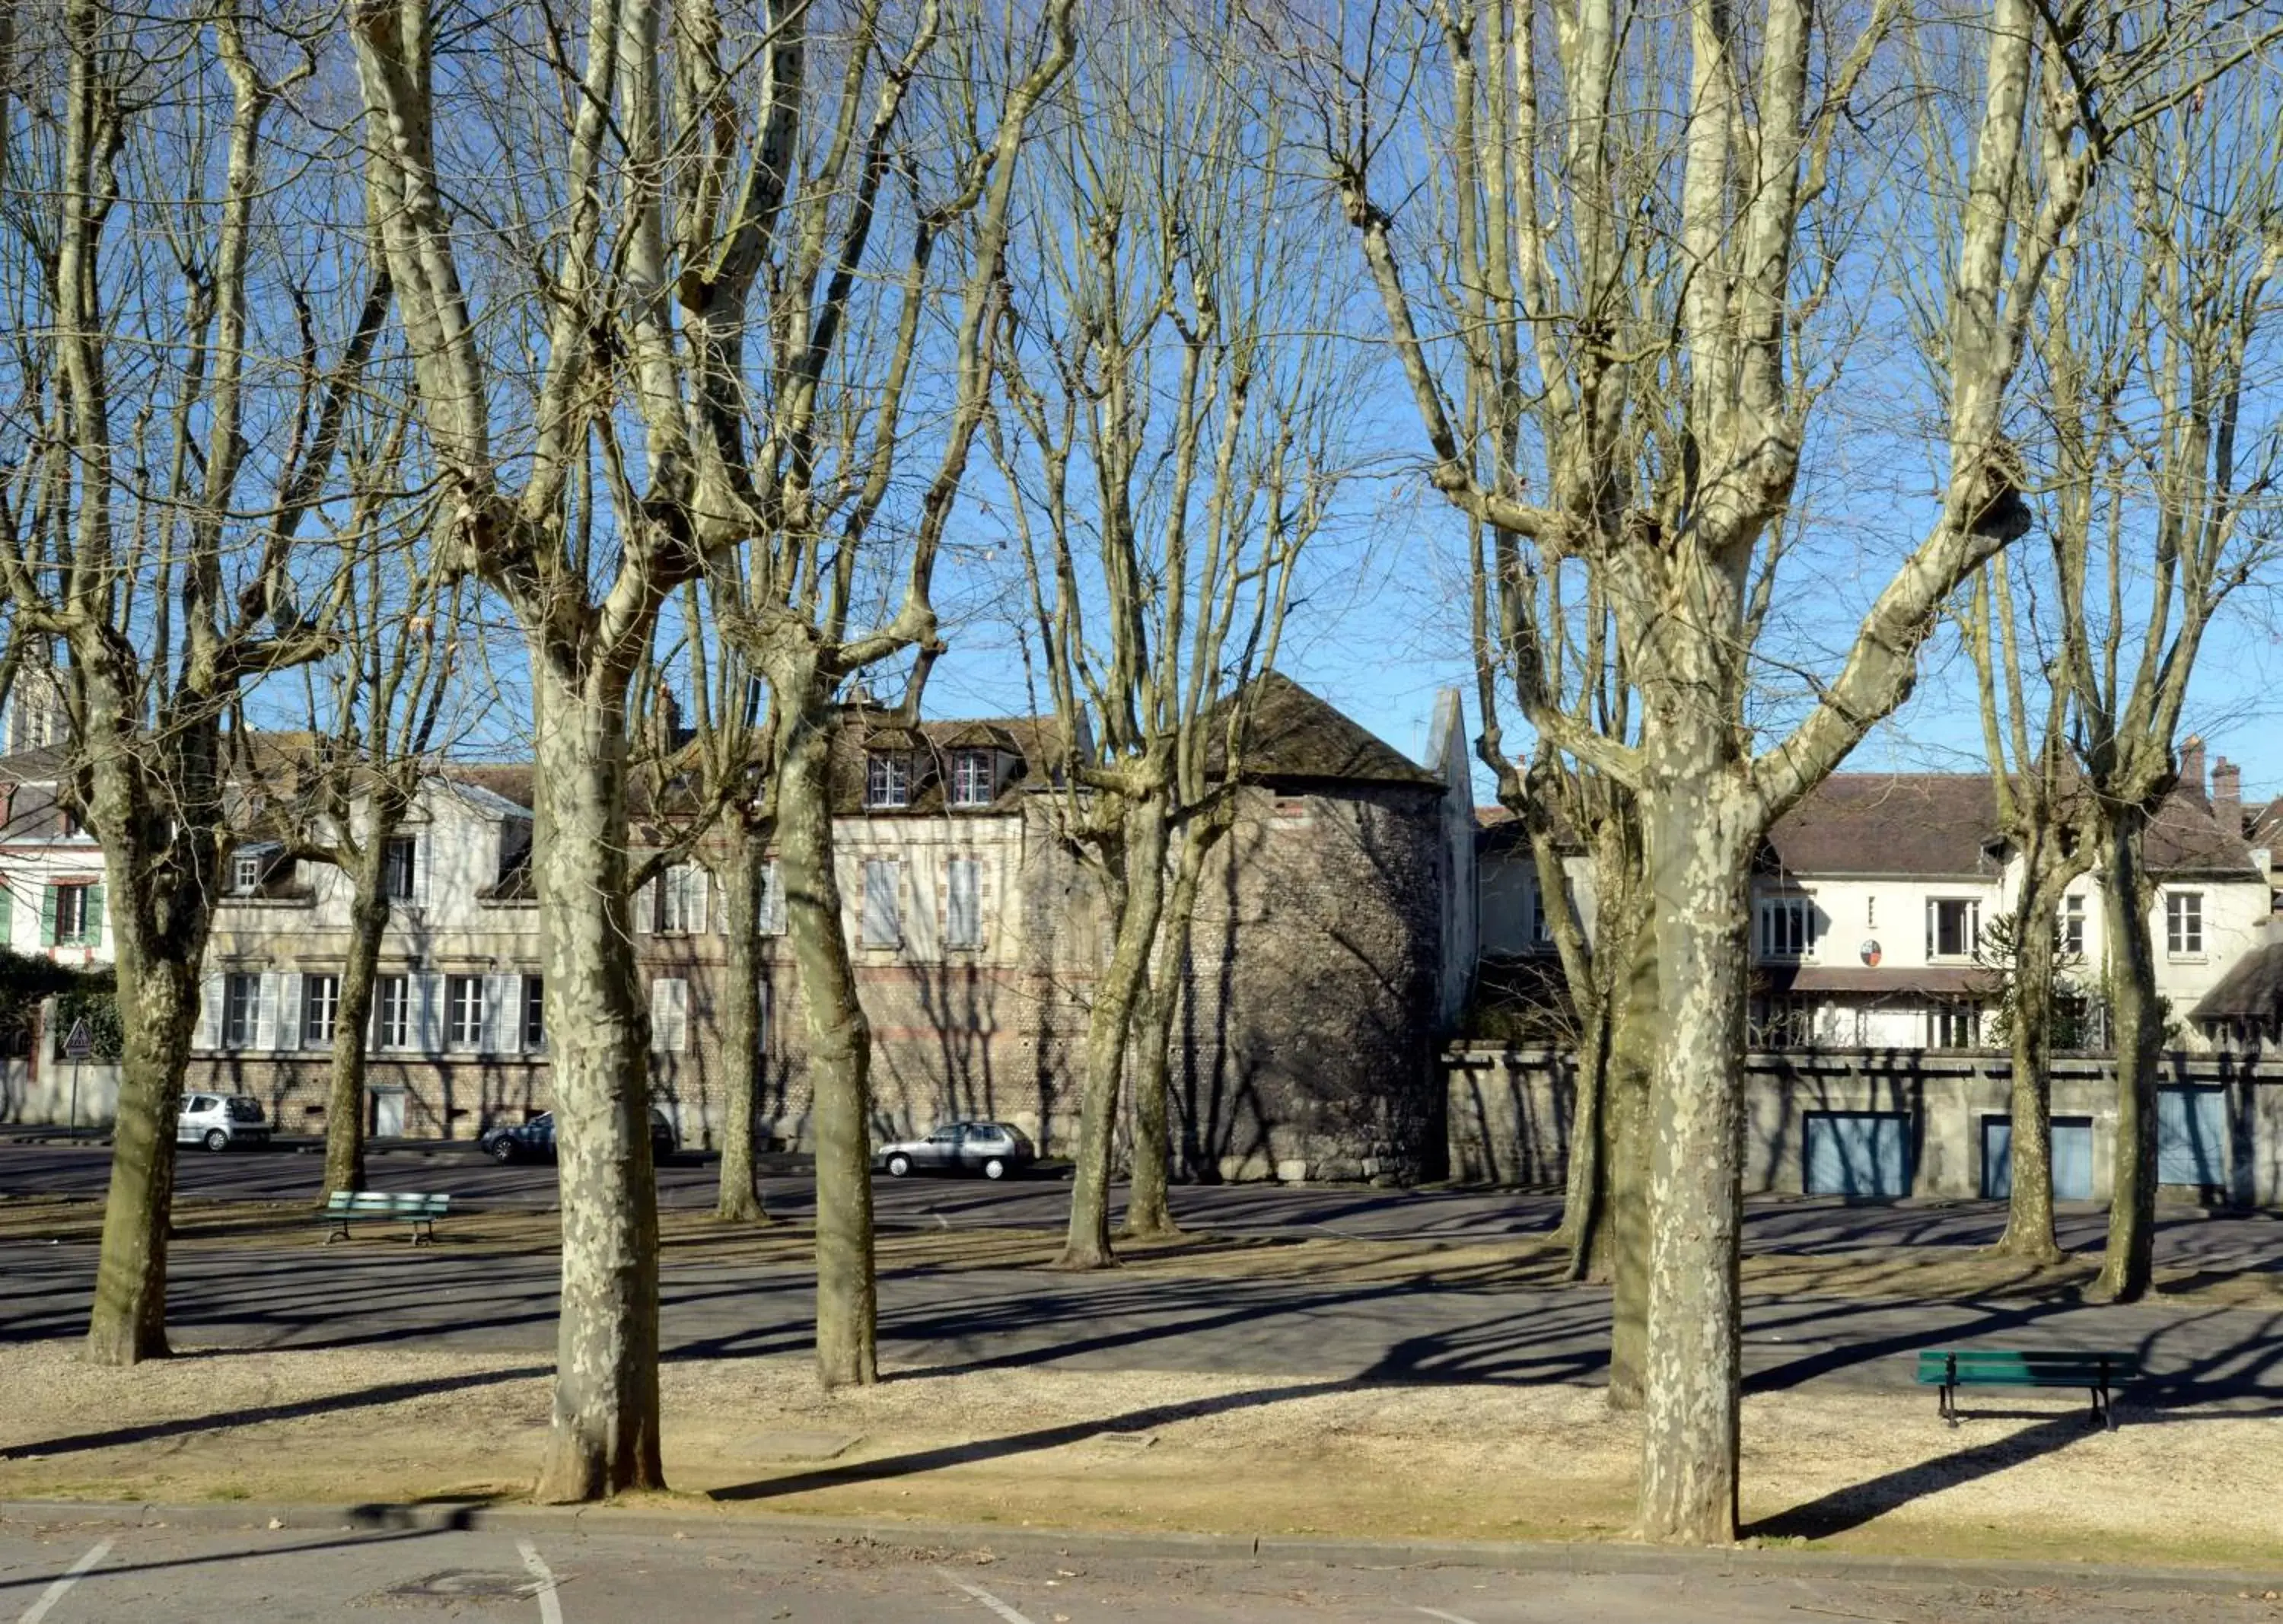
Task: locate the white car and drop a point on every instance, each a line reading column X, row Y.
column 220, row 1120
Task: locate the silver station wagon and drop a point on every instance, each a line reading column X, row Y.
column 220, row 1120
column 993, row 1149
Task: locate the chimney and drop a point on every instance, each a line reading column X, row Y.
column 2227, row 795
column 2192, row 764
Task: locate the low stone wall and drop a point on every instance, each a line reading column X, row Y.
column 52, row 1094
column 1510, row 1111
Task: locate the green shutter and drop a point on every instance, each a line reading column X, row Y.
column 7, row 915
column 91, row 928
column 47, row 917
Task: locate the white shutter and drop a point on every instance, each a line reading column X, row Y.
column 669, row 1015
column 428, row 1014
column 265, row 1015
column 646, row 906
column 501, row 1013
column 209, row 1033
column 772, row 907
column 289, row 1011
column 883, row 921
column 423, row 853
column 962, row 905
column 695, row 916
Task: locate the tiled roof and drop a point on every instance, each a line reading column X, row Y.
column 1299, row 736
column 2253, row 990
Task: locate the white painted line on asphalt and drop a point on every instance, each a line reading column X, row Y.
column 54, row 1593
column 550, row 1610
column 1448, row 1618
column 981, row 1594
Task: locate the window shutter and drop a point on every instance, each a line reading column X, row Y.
column 694, row 918
column 502, row 1014
column 646, row 907
column 265, row 1011
column 7, row 915
column 428, row 1014
column 47, row 917
column 669, row 1015
column 91, row 932
column 882, row 926
column 289, row 1011
column 963, row 923
column 420, row 855
column 772, row 907
column 209, row 1033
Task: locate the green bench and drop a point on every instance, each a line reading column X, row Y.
column 345, row 1208
column 2099, row 1373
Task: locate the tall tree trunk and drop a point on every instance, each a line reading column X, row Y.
column 1582, row 1235
column 1630, row 1075
column 352, row 1014
column 1700, row 829
column 1149, row 1211
column 157, row 1009
column 2029, row 1211
column 2137, row 1020
column 840, row 1046
column 739, row 1198
column 1142, row 854
column 606, row 1435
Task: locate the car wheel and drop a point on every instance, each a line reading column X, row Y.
column 216, row 1140
column 994, row 1168
column 898, row 1166
column 502, row 1150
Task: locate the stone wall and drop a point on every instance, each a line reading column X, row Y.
column 1510, row 1114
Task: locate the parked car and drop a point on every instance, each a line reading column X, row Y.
column 993, row 1149
column 220, row 1120
column 536, row 1139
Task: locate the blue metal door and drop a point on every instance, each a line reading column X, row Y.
column 1862, row 1154
column 2191, row 1137
column 2072, row 1159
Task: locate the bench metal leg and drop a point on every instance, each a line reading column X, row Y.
column 1950, row 1405
column 341, row 1233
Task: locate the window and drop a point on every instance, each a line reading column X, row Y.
column 400, row 868
column 888, row 779
column 1954, row 928
column 534, row 1013
column 681, row 892
column 2068, row 939
column 241, row 1009
column 77, row 920
column 392, row 1013
column 463, row 1012
column 970, row 778
column 1784, row 1021
column 1953, row 1025
column 1541, row 933
column 773, row 910
column 1787, row 927
column 882, row 925
column 963, row 904
column 669, row 1016
column 321, row 1005
column 2184, row 924
column 245, row 873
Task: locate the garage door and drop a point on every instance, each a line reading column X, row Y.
column 2191, row 1137
column 2072, row 1158
column 1864, row 1154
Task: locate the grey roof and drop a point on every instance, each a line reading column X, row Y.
column 2251, row 990
column 1295, row 735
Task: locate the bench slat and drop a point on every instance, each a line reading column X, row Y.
column 2011, row 1368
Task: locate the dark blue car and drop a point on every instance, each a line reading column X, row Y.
column 535, row 1140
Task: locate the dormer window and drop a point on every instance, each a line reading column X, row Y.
column 971, row 777
column 888, row 779
column 245, row 873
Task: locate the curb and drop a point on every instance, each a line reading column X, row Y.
column 1525, row 1557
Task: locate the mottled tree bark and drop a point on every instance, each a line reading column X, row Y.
column 1700, row 831
column 2137, row 1017
column 739, row 872
column 605, row 1434
column 839, row 1048
column 1624, row 1234
column 1142, row 858
column 2030, row 1210
column 1149, row 1211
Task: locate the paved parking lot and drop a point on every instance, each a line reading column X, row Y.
column 64, row 1573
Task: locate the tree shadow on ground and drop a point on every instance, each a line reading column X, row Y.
column 238, row 1554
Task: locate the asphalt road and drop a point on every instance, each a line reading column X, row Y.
column 2184, row 1238
column 86, row 1573
column 379, row 1291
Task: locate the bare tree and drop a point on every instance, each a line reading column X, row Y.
column 1677, row 446
column 2158, row 344
column 2041, row 811
column 177, row 399
column 1172, row 410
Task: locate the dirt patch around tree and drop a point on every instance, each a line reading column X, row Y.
column 1923, row 1273
column 1151, row 1451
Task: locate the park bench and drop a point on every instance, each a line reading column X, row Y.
column 2097, row 1373
column 345, row 1208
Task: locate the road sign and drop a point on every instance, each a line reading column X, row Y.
column 78, row 1044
